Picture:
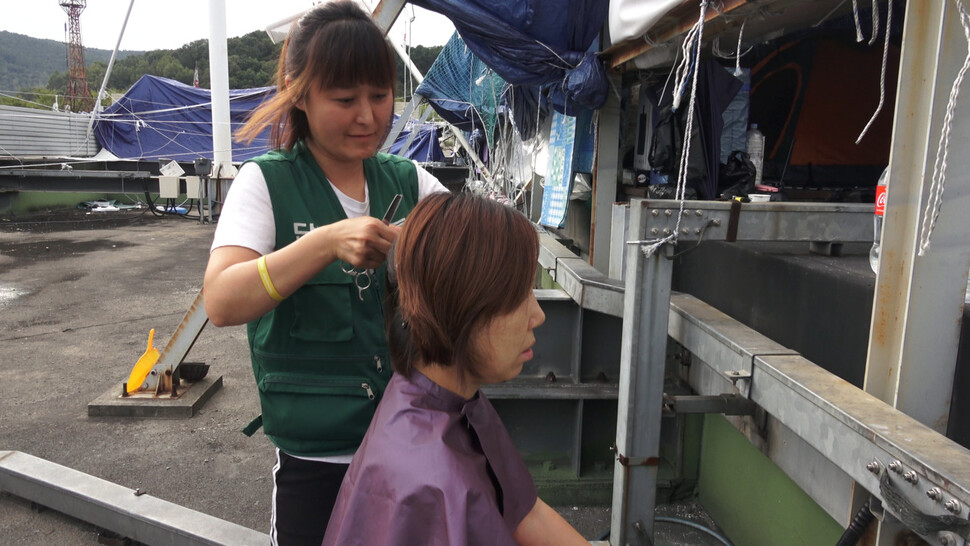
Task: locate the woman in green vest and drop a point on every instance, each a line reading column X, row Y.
column 299, row 256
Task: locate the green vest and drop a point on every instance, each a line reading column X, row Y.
column 320, row 357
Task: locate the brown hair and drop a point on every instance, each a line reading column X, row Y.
column 334, row 44
column 460, row 261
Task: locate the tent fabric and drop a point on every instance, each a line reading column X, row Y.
column 425, row 147
column 159, row 118
column 831, row 87
column 465, row 92
column 633, row 18
column 462, row 89
column 536, row 43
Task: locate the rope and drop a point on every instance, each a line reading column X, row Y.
column 685, row 153
column 682, row 72
column 858, row 31
column 882, row 77
column 566, row 65
column 875, row 20
column 855, row 17
column 737, row 61
column 935, row 201
column 697, row 33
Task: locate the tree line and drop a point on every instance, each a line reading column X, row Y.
column 252, row 63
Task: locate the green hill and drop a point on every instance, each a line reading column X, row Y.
column 27, row 62
column 41, row 65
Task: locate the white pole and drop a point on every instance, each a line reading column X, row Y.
column 107, row 73
column 219, row 85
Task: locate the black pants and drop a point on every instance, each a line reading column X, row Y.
column 305, row 492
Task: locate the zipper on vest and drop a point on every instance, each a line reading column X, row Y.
column 366, row 387
column 377, row 362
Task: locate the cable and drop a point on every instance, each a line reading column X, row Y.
column 605, row 535
column 700, row 238
column 857, row 527
column 694, row 525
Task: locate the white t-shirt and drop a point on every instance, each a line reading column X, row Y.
column 247, row 214
column 247, row 220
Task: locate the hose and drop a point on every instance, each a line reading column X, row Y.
column 170, row 208
column 686, row 522
column 694, row 525
column 856, row 527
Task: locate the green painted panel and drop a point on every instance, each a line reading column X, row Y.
column 545, row 281
column 29, row 201
column 751, row 499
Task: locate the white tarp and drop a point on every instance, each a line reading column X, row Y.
column 633, row 18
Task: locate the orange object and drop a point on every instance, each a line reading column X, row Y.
column 144, row 365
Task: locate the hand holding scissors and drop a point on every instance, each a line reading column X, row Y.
column 363, row 277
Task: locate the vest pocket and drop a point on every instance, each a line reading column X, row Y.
column 306, row 408
column 322, row 311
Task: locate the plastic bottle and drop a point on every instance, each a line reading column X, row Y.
column 756, row 151
column 881, row 188
column 966, row 297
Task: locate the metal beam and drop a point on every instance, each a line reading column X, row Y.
column 181, row 342
column 918, row 304
column 918, row 308
column 782, row 221
column 832, row 426
column 402, row 121
column 129, row 513
column 584, row 284
column 842, row 423
column 604, row 180
column 726, row 403
column 704, row 221
column 386, row 12
column 646, row 305
column 77, row 181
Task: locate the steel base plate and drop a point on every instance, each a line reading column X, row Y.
column 190, row 399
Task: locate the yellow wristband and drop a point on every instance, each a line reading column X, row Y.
column 267, row 282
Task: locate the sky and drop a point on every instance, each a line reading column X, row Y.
column 170, row 24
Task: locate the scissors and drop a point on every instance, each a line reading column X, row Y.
column 363, row 277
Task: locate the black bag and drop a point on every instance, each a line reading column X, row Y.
column 666, row 144
column 737, row 176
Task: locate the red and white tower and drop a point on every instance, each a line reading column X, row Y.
column 78, row 96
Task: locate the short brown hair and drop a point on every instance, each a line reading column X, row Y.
column 335, row 44
column 460, row 261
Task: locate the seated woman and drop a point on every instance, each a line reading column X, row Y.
column 437, row 466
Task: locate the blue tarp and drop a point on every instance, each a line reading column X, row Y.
column 159, row 118
column 536, row 43
column 425, row 147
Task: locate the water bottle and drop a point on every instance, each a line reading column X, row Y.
column 756, row 151
column 966, row 297
column 881, row 187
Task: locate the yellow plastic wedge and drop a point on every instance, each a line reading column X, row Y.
column 144, row 365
